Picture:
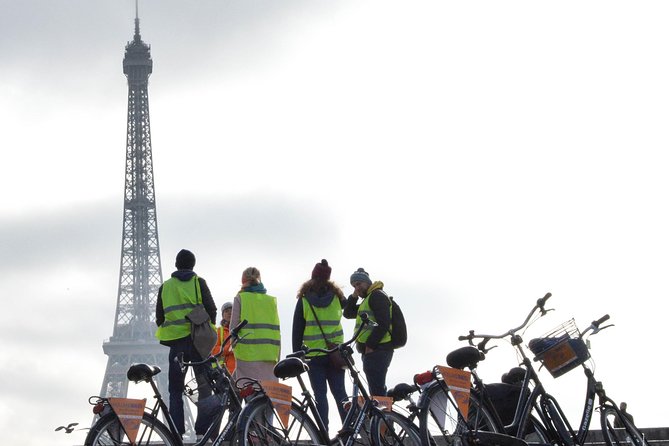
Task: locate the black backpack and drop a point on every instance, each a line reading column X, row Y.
column 398, row 332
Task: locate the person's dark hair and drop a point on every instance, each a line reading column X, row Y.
column 320, row 287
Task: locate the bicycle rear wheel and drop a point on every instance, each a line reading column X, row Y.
column 391, row 428
column 620, row 436
column 439, row 417
column 259, row 425
column 107, row 431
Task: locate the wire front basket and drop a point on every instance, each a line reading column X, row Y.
column 561, row 349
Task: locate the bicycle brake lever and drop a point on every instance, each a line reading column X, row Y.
column 238, row 338
column 598, row 329
column 544, row 311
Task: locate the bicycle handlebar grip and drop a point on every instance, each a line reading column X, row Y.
column 541, row 302
column 463, row 338
column 601, row 320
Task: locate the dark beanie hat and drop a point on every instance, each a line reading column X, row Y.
column 185, row 259
column 321, row 271
column 360, row 276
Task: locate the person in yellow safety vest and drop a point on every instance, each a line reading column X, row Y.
column 177, row 297
column 374, row 345
column 317, row 317
column 228, row 358
column 259, row 347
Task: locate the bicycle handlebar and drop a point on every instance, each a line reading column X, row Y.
column 306, row 350
column 234, row 334
column 540, row 305
column 595, row 326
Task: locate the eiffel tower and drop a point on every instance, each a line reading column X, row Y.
column 133, row 339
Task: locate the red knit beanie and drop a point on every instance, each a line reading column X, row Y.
column 321, row 271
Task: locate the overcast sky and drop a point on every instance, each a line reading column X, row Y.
column 472, row 155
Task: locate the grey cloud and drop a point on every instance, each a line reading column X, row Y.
column 51, row 239
column 50, row 46
column 82, row 236
column 272, row 223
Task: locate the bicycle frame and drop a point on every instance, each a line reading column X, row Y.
column 548, row 409
column 226, row 394
column 535, row 399
column 356, row 416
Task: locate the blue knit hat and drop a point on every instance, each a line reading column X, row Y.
column 360, row 276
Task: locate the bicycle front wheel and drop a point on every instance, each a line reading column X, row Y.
column 260, row 425
column 391, row 428
column 440, row 418
column 620, row 436
column 107, row 431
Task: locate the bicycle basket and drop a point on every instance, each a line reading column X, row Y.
column 561, row 349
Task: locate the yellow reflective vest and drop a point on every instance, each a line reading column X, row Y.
column 365, row 308
column 179, row 298
column 330, row 319
column 260, row 339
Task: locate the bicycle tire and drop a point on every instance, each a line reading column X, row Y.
column 107, row 431
column 259, row 426
column 620, row 436
column 392, row 429
column 438, row 418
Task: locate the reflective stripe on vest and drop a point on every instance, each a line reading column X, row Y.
column 179, row 298
column 260, row 339
column 365, row 308
column 330, row 319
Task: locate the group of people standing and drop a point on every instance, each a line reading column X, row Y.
column 320, row 306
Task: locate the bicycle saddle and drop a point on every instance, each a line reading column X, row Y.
column 464, row 357
column 142, row 372
column 514, row 376
column 401, row 391
column 290, row 368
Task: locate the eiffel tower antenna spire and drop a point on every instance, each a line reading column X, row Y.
column 138, row 37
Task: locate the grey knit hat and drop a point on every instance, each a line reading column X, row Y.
column 360, row 276
column 226, row 306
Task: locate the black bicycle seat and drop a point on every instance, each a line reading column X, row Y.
column 464, row 357
column 290, row 368
column 401, row 391
column 514, row 376
column 142, row 372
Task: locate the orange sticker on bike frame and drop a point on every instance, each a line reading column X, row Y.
column 459, row 383
column 281, row 396
column 130, row 413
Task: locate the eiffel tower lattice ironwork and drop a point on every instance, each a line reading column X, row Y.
column 140, row 277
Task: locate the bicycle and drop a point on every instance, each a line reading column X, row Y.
column 440, row 414
column 365, row 423
column 560, row 351
column 140, row 427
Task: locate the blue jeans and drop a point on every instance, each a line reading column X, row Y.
column 176, row 380
column 321, row 373
column 375, row 365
